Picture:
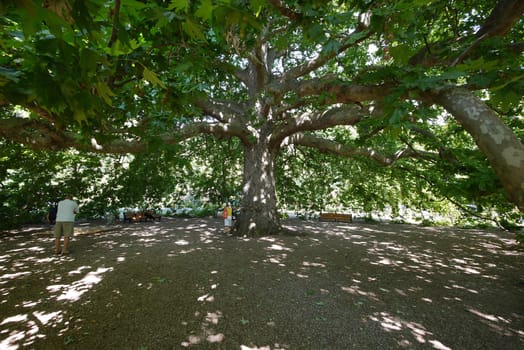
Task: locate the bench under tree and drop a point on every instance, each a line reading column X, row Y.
column 336, row 217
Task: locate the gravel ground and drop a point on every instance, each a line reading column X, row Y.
column 180, row 283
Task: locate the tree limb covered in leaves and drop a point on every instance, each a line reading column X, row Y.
column 331, row 147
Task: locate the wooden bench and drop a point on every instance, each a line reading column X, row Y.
column 335, row 217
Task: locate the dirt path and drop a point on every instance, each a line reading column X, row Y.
column 180, row 284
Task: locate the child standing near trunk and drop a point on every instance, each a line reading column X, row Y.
column 227, row 215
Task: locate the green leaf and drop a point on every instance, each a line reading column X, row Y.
column 152, row 78
column 80, row 116
column 179, row 5
column 506, row 83
column 105, row 92
column 417, row 3
column 478, row 64
column 205, row 11
column 331, row 46
column 356, row 37
column 401, row 53
column 89, row 60
column 184, row 67
column 257, row 6
column 32, row 17
column 505, row 98
column 396, row 116
column 163, row 280
column 118, row 49
column 452, row 74
column 193, row 30
column 316, row 32
column 7, row 74
column 133, row 4
column 69, row 340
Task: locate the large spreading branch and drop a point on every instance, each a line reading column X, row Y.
column 311, row 121
column 335, row 148
column 337, row 91
column 224, row 111
column 40, row 135
column 216, row 129
column 503, row 149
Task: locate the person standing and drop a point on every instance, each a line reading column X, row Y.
column 227, row 215
column 51, row 214
column 65, row 220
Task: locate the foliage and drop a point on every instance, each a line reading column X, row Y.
column 215, row 172
column 163, row 100
column 32, row 180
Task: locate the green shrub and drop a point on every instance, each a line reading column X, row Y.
column 427, row 222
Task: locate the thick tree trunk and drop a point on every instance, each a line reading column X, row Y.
column 259, row 215
column 504, row 150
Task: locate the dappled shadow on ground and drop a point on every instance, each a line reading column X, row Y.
column 181, row 284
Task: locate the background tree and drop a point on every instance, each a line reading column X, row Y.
column 356, row 79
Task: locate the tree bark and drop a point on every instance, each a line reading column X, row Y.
column 503, row 149
column 259, row 214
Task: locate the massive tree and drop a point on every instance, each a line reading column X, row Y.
column 358, row 79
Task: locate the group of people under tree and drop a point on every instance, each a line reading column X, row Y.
column 62, row 216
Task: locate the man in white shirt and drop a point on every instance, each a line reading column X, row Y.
column 65, row 220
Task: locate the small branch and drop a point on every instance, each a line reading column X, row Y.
column 502, row 18
column 222, row 111
column 353, row 39
column 114, row 31
column 504, row 15
column 466, row 52
column 285, row 11
column 219, row 130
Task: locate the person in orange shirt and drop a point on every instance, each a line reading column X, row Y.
column 227, row 215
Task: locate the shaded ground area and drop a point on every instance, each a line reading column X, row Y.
column 180, row 284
